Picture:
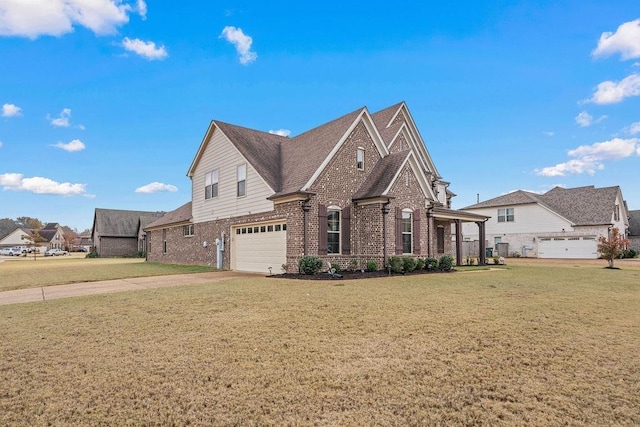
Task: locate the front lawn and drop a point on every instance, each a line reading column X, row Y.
column 525, row 345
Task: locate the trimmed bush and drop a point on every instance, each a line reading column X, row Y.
column 91, row 255
column 396, row 264
column 335, row 267
column 309, row 265
column 420, row 263
column 408, row 264
column 431, row 264
column 372, row 266
column 445, row 263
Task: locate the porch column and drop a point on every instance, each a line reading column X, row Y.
column 385, row 210
column 458, row 242
column 482, row 244
column 429, row 216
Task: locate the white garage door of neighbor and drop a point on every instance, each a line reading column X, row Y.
column 257, row 247
column 568, row 247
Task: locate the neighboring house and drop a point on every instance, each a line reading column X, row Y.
column 561, row 223
column 18, row 237
column 634, row 230
column 118, row 233
column 360, row 188
column 53, row 236
column 83, row 242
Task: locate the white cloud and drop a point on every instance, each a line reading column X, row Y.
column 10, row 110
column 156, row 187
column 62, row 120
column 633, row 129
column 281, row 132
column 585, row 119
column 613, row 92
column 40, row 185
column 625, row 41
column 548, row 133
column 147, row 50
column 588, row 158
column 1, row 144
column 141, row 7
column 242, row 42
column 75, row 145
column 34, row 18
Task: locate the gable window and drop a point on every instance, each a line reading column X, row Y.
column 333, row 230
column 360, row 158
column 187, row 230
column 616, row 213
column 506, row 215
column 241, row 180
column 211, row 185
column 407, row 232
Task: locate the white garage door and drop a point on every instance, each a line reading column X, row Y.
column 257, row 247
column 568, row 247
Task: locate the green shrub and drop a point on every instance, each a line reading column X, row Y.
column 353, row 265
column 335, row 267
column 629, row 253
column 496, row 260
column 431, row 264
column 408, row 264
column 445, row 263
column 420, row 264
column 91, row 255
column 372, row 266
column 396, row 264
column 309, row 264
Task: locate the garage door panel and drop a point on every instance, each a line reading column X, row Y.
column 565, row 247
column 264, row 247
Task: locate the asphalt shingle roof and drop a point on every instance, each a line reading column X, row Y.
column 634, row 223
column 182, row 214
column 381, row 175
column 120, row 223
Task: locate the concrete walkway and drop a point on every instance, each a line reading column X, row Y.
column 110, row 286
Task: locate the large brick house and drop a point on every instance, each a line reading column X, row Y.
column 360, row 188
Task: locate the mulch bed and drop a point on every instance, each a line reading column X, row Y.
column 350, row 275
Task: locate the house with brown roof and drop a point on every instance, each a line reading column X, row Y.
column 118, row 233
column 561, row 223
column 359, row 188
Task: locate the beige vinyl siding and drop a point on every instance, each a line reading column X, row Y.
column 222, row 155
column 528, row 219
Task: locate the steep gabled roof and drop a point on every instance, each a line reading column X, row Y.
column 120, row 223
column 180, row 215
column 582, row 205
column 381, row 176
column 383, row 118
column 261, row 149
column 303, row 155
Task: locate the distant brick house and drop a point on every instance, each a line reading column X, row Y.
column 634, row 230
column 119, row 233
column 360, row 188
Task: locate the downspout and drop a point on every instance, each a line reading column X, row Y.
column 306, row 207
column 385, row 210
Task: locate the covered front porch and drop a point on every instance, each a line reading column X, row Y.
column 457, row 218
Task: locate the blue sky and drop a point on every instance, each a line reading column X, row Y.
column 105, row 102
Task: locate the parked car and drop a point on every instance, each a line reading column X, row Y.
column 55, row 252
column 9, row 252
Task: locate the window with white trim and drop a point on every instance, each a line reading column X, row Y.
column 211, row 185
column 506, row 215
column 407, row 232
column 360, row 158
column 241, row 180
column 187, row 230
column 333, row 230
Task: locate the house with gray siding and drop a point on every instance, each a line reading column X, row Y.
column 359, row 188
column 119, row 233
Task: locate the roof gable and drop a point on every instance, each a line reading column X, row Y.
column 120, row 223
column 634, row 223
column 180, row 215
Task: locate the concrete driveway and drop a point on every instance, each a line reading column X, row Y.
column 111, row 286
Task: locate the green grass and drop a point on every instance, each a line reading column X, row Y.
column 27, row 273
column 526, row 345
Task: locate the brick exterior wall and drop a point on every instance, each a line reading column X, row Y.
column 335, row 186
column 118, row 247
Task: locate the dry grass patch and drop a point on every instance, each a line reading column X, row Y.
column 528, row 345
column 27, row 273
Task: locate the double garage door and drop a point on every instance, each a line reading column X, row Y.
column 567, row 247
column 256, row 247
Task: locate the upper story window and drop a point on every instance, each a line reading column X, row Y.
column 333, row 230
column 506, row 215
column 241, row 180
column 616, row 213
column 407, row 232
column 360, row 158
column 211, row 185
